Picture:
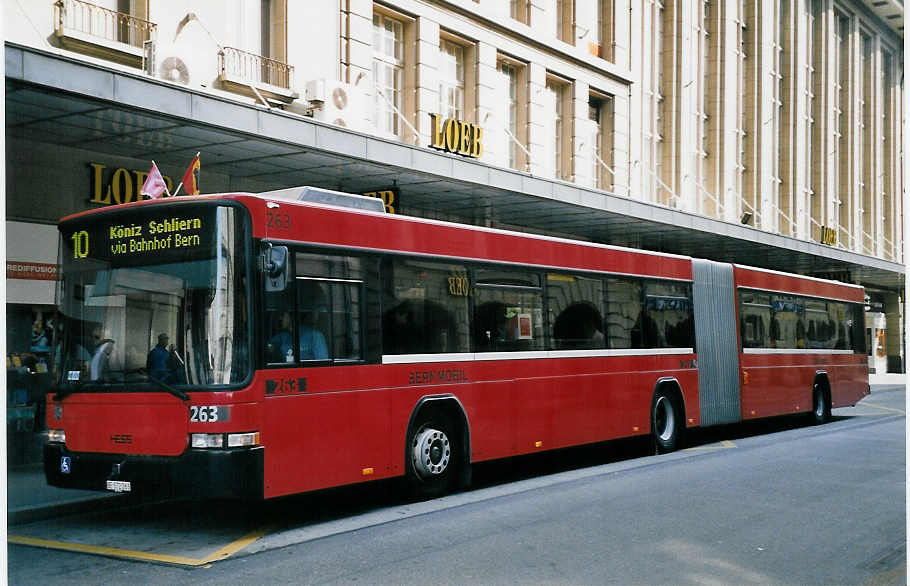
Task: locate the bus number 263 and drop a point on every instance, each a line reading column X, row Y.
column 209, row 413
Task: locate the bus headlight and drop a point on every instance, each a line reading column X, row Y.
column 207, row 440
column 217, row 440
column 57, row 436
column 239, row 440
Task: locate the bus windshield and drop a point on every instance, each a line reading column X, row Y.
column 154, row 298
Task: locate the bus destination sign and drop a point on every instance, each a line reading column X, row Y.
column 160, row 236
column 156, row 235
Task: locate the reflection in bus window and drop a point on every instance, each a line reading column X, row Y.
column 624, row 326
column 329, row 306
column 788, row 321
column 508, row 311
column 822, row 317
column 425, row 307
column 575, row 307
column 755, row 319
column 195, row 294
column 668, row 307
column 796, row 322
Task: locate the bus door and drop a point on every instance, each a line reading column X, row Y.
column 716, row 342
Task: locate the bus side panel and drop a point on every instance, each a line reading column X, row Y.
column 780, row 384
column 317, row 441
column 850, row 379
column 349, row 423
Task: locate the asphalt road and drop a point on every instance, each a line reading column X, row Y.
column 770, row 503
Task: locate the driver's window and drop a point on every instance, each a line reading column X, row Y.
column 279, row 328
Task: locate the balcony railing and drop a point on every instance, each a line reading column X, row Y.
column 237, row 65
column 107, row 25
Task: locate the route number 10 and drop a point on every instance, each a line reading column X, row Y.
column 80, row 244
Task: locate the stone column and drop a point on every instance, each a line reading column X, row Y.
column 582, row 157
column 536, row 132
column 426, row 89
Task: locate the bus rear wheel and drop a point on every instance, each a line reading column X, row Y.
column 432, row 457
column 666, row 423
column 821, row 407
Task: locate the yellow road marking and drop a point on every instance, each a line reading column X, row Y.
column 107, row 551
column 232, row 548
column 223, row 553
column 724, row 445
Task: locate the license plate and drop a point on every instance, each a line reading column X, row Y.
column 119, row 485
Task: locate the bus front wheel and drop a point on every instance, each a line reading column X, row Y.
column 666, row 423
column 432, row 457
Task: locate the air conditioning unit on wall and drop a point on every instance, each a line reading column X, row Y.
column 338, row 103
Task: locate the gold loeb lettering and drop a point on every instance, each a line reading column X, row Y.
column 437, row 134
column 458, row 286
column 455, row 136
column 119, row 187
column 828, row 236
column 387, row 197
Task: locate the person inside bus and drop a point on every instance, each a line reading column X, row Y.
column 98, row 370
column 160, row 363
column 312, row 342
column 281, row 344
column 313, row 308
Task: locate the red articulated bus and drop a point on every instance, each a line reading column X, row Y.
column 257, row 346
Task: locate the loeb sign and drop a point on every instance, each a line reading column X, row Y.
column 455, row 136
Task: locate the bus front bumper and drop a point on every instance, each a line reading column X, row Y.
column 226, row 473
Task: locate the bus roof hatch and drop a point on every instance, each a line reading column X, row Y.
column 327, row 197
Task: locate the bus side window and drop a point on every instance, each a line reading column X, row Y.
column 313, row 319
column 278, row 328
column 575, row 307
column 624, row 313
column 425, row 307
column 668, row 315
column 330, row 310
column 757, row 329
column 508, row 311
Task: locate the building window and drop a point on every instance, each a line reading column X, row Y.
column 600, row 117
column 388, row 73
column 111, row 29
column 511, row 114
column 520, row 10
column 601, row 39
column 565, row 21
column 890, row 165
column 842, row 186
column 867, row 145
column 451, row 80
column 258, row 54
column 274, row 29
column 556, row 126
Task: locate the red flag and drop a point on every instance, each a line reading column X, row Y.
column 190, row 179
column 154, row 184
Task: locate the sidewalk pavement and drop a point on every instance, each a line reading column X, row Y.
column 887, row 379
column 29, row 498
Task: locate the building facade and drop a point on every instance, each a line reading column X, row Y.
column 771, row 132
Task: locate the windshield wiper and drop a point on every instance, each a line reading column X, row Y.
column 176, row 392
column 65, row 390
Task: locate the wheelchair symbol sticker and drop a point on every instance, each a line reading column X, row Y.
column 65, row 465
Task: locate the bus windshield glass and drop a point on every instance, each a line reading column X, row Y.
column 154, row 298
